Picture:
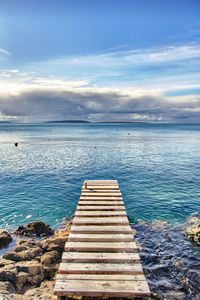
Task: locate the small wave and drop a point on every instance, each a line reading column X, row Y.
column 28, row 217
column 170, row 261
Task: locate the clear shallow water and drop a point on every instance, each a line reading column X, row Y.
column 157, row 166
column 170, row 262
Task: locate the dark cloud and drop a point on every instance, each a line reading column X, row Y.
column 45, row 104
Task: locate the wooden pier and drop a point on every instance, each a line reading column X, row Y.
column 100, row 258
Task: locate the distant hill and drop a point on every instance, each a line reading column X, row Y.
column 126, row 122
column 68, row 121
column 5, row 122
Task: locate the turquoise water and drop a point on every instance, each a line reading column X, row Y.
column 157, row 166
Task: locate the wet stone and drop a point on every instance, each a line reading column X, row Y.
column 170, row 261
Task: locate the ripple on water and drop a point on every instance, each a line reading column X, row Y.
column 171, row 262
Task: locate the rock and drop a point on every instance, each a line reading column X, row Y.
column 30, row 267
column 8, row 273
column 174, row 296
column 194, row 277
column 22, row 281
column 22, row 278
column 30, row 263
column 28, row 254
column 5, row 262
column 6, row 287
column 160, row 224
column 50, row 258
column 10, row 296
column 30, row 243
column 38, row 228
column 25, row 250
column 57, row 242
column 193, row 229
column 50, row 271
column 44, row 292
column 5, row 238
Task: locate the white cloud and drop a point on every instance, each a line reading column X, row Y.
column 151, row 55
column 117, row 85
column 47, row 98
column 5, row 52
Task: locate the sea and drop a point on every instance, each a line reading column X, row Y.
column 157, row 167
column 158, row 170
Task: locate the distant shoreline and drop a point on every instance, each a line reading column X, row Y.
column 95, row 122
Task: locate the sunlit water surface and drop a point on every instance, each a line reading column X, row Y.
column 157, row 166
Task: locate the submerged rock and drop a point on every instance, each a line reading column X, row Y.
column 38, row 228
column 170, row 262
column 193, row 229
column 5, row 238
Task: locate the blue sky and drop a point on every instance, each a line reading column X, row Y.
column 99, row 60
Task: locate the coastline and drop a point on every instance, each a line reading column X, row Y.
column 170, row 261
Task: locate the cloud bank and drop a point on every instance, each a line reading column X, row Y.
column 158, row 85
column 52, row 99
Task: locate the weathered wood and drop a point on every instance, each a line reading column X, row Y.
column 101, row 187
column 100, row 190
column 105, row 199
column 101, row 246
column 101, row 237
column 100, row 221
column 100, row 207
column 126, row 229
column 99, row 213
column 100, row 257
column 100, row 202
column 101, row 194
column 99, row 277
column 102, row 182
column 102, row 288
column 100, row 268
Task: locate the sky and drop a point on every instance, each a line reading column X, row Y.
column 108, row 60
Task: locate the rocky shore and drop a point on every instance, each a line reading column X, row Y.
column 28, row 271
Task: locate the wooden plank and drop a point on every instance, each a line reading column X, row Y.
column 101, row 246
column 100, row 268
column 102, row 182
column 108, row 191
column 99, row 213
column 85, row 198
column 92, row 202
column 100, row 277
column 101, row 194
column 126, row 229
column 100, row 257
column 100, row 187
column 101, row 237
column 100, row 207
column 100, row 221
column 102, row 288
